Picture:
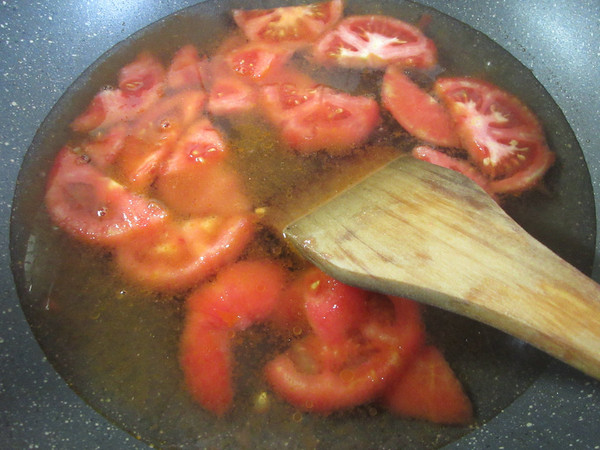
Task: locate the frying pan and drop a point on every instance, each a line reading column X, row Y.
column 558, row 41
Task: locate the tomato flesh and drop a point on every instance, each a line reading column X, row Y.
column 140, row 85
column 501, row 135
column 429, row 390
column 93, row 207
column 241, row 295
column 206, row 360
column 290, row 26
column 257, row 61
column 334, row 310
column 178, row 255
column 320, row 118
column 358, row 344
column 375, row 42
column 186, row 69
column 195, row 181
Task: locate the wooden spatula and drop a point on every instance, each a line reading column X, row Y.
column 417, row 230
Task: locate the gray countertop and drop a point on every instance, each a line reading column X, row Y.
column 45, row 45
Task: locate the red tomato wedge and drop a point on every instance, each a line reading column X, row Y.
column 152, row 137
column 141, row 84
column 290, row 26
column 463, row 166
column 316, row 377
column 103, row 147
column 429, row 390
column 229, row 93
column 323, row 377
column 321, row 118
column 242, row 294
column 334, row 309
column 231, row 96
column 502, row 136
column 375, row 42
column 416, row 111
column 178, row 255
column 92, row 207
column 144, row 74
column 257, row 61
column 186, row 69
column 195, row 181
column 206, row 361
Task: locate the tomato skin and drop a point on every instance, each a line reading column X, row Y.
column 206, row 360
column 416, row 111
column 176, row 256
column 502, row 136
column 92, row 207
column 375, row 42
column 289, row 26
column 429, row 390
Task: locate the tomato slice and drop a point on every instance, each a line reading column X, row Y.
column 334, row 309
column 242, row 294
column 292, row 26
column 416, row 111
column 141, row 84
column 307, row 377
column 463, row 166
column 313, row 119
column 375, row 42
column 206, row 360
column 428, row 389
column 195, row 181
column 186, row 69
column 141, row 76
column 319, row 376
column 93, row 207
column 502, row 136
column 257, row 61
column 230, row 96
column 229, row 93
column 102, row 148
column 152, row 137
column 178, row 255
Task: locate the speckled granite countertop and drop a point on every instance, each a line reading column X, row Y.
column 45, row 45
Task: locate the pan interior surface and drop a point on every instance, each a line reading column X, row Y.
column 116, row 345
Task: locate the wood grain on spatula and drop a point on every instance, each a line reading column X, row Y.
column 418, row 230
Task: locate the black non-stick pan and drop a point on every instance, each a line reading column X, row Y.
column 119, row 356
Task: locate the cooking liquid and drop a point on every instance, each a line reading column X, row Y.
column 116, row 343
